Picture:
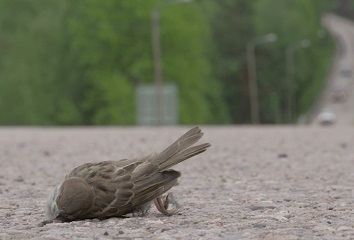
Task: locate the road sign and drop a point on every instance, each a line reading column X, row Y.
column 147, row 102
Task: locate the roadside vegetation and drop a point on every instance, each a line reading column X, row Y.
column 78, row 62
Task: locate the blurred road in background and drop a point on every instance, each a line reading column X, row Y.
column 337, row 99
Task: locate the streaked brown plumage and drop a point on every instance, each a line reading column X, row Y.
column 115, row 188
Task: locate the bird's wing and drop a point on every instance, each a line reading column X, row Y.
column 121, row 190
column 140, row 183
column 144, row 191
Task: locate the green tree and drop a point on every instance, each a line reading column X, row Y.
column 78, row 62
column 31, row 51
column 292, row 21
column 232, row 27
column 112, row 40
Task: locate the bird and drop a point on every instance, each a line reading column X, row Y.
column 129, row 186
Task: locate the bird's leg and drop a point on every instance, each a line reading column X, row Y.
column 163, row 202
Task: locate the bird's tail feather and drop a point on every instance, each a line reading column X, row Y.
column 181, row 149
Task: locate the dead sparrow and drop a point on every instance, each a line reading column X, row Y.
column 116, row 188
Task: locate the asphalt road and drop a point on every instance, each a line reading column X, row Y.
column 341, row 76
column 253, row 183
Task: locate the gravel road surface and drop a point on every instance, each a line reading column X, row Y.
column 253, row 183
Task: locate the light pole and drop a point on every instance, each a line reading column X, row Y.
column 252, row 73
column 156, row 46
column 290, row 50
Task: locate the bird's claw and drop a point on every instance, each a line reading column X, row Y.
column 163, row 202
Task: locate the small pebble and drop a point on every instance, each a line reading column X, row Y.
column 282, row 155
column 19, row 179
column 259, row 225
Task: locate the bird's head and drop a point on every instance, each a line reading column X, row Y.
column 72, row 197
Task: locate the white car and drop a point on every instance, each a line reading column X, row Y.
column 326, row 117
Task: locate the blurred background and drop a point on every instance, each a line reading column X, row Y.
column 163, row 62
